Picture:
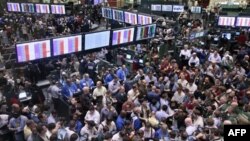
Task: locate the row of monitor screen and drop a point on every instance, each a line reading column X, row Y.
column 174, row 8
column 36, row 8
column 65, row 45
column 125, row 16
column 234, row 21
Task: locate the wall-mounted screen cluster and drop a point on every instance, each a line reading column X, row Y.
column 35, row 50
column 167, row 8
column 234, row 21
column 36, row 8
column 126, row 16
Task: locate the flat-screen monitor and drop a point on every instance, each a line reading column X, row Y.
column 33, row 50
column 28, row 7
column 22, row 95
column 143, row 19
column 98, row 2
column 167, row 8
column 123, row 36
column 226, row 21
column 199, row 34
column 237, row 33
column 58, row 9
column 13, row 7
column 216, row 39
column 97, row 40
column 196, row 9
column 118, row 15
column 155, row 7
column 66, row 45
column 145, row 32
column 178, row 8
column 42, row 8
column 227, row 35
column 107, row 13
column 130, row 18
column 243, row 21
column 128, row 56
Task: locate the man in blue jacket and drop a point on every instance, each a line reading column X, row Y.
column 162, row 133
column 122, row 73
column 120, row 121
column 69, row 89
column 86, row 81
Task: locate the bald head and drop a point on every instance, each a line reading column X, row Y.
column 188, row 121
column 85, row 90
column 227, row 122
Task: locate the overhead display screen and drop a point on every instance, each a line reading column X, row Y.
column 42, row 8
column 28, row 7
column 66, row 45
column 130, row 18
column 13, row 7
column 167, row 8
column 98, row 2
column 155, row 7
column 107, row 13
column 123, row 36
column 58, row 9
column 178, row 8
column 226, row 21
column 118, row 15
column 143, row 20
column 97, row 40
column 33, row 51
column 243, row 21
column 145, row 32
column 196, row 9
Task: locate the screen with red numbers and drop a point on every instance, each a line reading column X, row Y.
column 66, row 45
column 33, row 50
column 123, row 36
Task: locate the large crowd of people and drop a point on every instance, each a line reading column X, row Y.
column 184, row 97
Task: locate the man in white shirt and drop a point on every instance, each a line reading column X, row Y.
column 182, row 81
column 99, row 91
column 133, row 93
column 190, row 128
column 163, row 114
column 150, row 78
column 114, row 86
column 108, row 125
column 214, row 57
column 191, row 86
column 54, row 92
column 148, row 131
column 89, row 131
column 178, row 96
column 185, row 53
column 119, row 136
column 71, row 129
column 194, row 61
column 93, row 115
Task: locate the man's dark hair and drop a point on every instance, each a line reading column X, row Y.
column 73, row 137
